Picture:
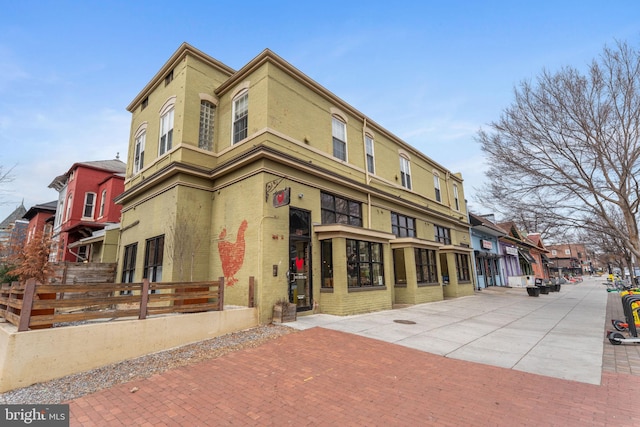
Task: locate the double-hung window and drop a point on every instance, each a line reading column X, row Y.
column 368, row 142
column 240, row 116
column 138, row 156
column 456, row 198
column 103, row 201
column 89, row 205
column 166, row 132
column 67, row 216
column 405, row 172
column 339, row 133
column 207, row 114
column 436, row 186
column 337, row 210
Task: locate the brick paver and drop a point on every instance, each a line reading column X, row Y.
column 623, row 358
column 327, row 378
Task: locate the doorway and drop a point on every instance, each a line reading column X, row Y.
column 300, row 289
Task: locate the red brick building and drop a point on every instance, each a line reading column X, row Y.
column 85, row 205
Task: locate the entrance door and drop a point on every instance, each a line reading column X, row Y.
column 300, row 259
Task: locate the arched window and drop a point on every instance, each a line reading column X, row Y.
column 138, row 150
column 166, row 126
column 67, row 216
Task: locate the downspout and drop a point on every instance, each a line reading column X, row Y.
column 366, row 170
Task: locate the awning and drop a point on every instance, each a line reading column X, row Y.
column 527, row 256
column 545, row 259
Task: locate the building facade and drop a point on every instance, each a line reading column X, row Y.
column 570, row 259
column 41, row 219
column 86, row 204
column 13, row 232
column 264, row 173
column 488, row 257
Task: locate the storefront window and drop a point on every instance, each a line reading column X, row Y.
column 462, row 268
column 426, row 266
column 364, row 264
column 327, row 263
column 399, row 267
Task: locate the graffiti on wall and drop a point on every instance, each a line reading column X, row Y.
column 232, row 253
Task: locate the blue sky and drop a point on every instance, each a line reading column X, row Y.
column 431, row 72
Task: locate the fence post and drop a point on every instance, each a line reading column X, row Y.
column 27, row 304
column 144, row 299
column 221, row 294
column 252, row 290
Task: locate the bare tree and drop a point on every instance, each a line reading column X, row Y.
column 5, row 178
column 568, row 147
column 184, row 240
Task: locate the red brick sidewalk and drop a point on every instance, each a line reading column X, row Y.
column 624, row 358
column 321, row 377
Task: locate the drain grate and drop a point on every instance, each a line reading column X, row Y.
column 405, row 322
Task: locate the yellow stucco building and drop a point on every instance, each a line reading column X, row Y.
column 263, row 172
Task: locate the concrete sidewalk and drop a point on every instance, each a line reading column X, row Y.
column 327, row 377
column 558, row 335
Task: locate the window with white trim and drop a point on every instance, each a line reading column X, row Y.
column 339, row 134
column 69, row 206
column 89, row 205
column 138, row 156
column 240, row 116
column 166, row 132
column 368, row 141
column 405, row 172
column 205, row 137
column 456, row 199
column 103, row 199
column 436, row 186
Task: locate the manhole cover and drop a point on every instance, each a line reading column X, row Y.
column 405, row 322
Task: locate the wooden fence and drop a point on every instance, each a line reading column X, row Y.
column 35, row 305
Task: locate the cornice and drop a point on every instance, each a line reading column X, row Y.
column 182, row 51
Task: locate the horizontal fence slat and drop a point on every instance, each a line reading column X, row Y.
column 184, row 308
column 79, row 317
column 88, row 301
column 82, row 302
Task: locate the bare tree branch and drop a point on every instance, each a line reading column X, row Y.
column 568, row 149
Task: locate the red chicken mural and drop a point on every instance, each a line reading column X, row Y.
column 232, row 253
